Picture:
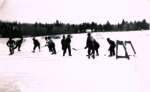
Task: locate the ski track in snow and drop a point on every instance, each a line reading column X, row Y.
column 42, row 72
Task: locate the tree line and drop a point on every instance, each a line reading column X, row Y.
column 16, row 29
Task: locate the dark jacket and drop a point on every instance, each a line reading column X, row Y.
column 11, row 43
column 19, row 42
column 112, row 45
column 90, row 43
column 51, row 44
column 36, row 42
column 96, row 44
column 63, row 43
column 67, row 42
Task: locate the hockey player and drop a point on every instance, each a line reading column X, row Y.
column 67, row 42
column 19, row 43
column 63, row 43
column 96, row 47
column 11, row 44
column 36, row 44
column 51, row 45
column 112, row 47
column 90, row 46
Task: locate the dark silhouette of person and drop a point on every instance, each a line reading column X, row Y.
column 63, row 43
column 67, row 45
column 19, row 43
column 96, row 47
column 112, row 47
column 11, row 44
column 36, row 44
column 90, row 46
column 48, row 44
column 51, row 45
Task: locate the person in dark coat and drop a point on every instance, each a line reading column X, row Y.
column 11, row 44
column 67, row 45
column 19, row 43
column 36, row 44
column 96, row 47
column 112, row 47
column 48, row 43
column 51, row 45
column 63, row 43
column 90, row 46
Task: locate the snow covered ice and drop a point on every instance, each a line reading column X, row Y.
column 42, row 72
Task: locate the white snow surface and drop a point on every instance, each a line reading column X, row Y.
column 42, row 72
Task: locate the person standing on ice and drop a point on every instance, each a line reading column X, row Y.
column 19, row 43
column 36, row 44
column 90, row 46
column 63, row 43
column 112, row 47
column 67, row 45
column 51, row 45
column 96, row 47
column 11, row 44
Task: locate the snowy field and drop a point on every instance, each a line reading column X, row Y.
column 42, row 72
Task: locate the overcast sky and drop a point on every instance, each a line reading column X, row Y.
column 74, row 11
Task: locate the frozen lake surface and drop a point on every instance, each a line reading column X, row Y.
column 42, row 72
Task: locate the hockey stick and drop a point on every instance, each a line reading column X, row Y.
column 77, row 49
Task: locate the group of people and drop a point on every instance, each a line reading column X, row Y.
column 14, row 44
column 91, row 44
column 50, row 44
column 65, row 42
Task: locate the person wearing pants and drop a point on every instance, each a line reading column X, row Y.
column 11, row 44
column 36, row 44
column 68, row 47
column 112, row 47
